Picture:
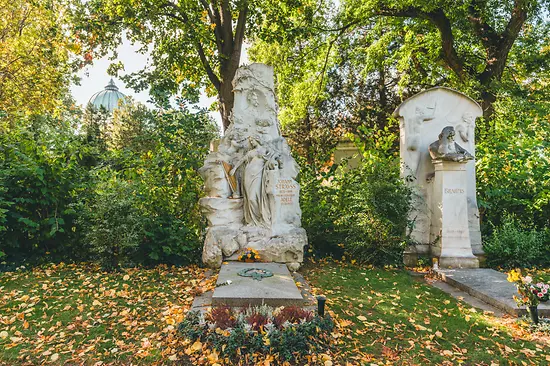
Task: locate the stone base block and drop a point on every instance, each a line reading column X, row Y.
column 458, row 262
column 220, row 241
column 285, row 248
column 489, row 286
column 278, row 290
column 410, row 259
column 222, row 211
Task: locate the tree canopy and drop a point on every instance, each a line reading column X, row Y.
column 475, row 41
column 35, row 62
column 194, row 45
column 380, row 52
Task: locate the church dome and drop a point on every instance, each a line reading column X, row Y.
column 107, row 98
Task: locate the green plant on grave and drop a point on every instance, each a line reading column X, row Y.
column 254, row 331
column 513, row 244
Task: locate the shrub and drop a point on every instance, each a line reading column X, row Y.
column 257, row 321
column 512, row 162
column 362, row 211
column 57, row 182
column 222, row 317
column 40, row 178
column 114, row 226
column 512, row 244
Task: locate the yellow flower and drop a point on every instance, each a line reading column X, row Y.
column 514, row 276
column 248, row 255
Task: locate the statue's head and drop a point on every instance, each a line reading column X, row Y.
column 447, row 134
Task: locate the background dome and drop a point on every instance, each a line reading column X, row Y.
column 107, row 98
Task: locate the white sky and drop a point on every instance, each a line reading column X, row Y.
column 94, row 78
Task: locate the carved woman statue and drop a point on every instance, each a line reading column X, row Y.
column 258, row 163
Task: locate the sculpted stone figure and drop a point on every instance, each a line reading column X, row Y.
column 422, row 118
column 252, row 196
column 258, row 162
column 447, row 149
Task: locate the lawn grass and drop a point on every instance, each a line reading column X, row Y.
column 401, row 320
column 69, row 313
column 77, row 314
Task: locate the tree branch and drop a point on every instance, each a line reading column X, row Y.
column 214, row 19
column 498, row 46
column 438, row 18
column 482, row 29
column 206, row 64
column 241, row 26
column 227, row 29
column 198, row 45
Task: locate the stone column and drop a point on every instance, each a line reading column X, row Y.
column 450, row 216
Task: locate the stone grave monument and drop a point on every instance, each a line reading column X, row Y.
column 252, row 197
column 441, row 174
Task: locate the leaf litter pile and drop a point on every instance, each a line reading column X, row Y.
column 75, row 314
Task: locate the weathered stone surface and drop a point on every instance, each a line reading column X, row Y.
column 222, row 211
column 212, row 251
column 286, row 248
column 293, row 266
column 278, row 290
column 215, row 182
column 422, row 118
column 251, row 179
column 450, row 231
column 230, row 246
column 490, row 286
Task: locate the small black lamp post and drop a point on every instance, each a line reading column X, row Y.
column 321, row 300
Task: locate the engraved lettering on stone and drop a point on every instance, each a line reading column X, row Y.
column 454, row 190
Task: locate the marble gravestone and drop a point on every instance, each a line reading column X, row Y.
column 252, row 197
column 449, row 209
column 436, row 182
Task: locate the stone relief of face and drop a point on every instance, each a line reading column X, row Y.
column 253, row 99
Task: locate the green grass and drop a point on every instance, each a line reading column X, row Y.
column 78, row 314
column 401, row 320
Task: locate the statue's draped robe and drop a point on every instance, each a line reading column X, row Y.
column 257, row 208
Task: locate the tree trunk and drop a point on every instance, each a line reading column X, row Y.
column 488, row 98
column 226, row 100
column 382, row 98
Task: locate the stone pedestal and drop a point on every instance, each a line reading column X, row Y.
column 450, row 228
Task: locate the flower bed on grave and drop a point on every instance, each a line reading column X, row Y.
column 254, row 334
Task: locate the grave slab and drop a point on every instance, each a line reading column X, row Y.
column 278, row 290
column 489, row 286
